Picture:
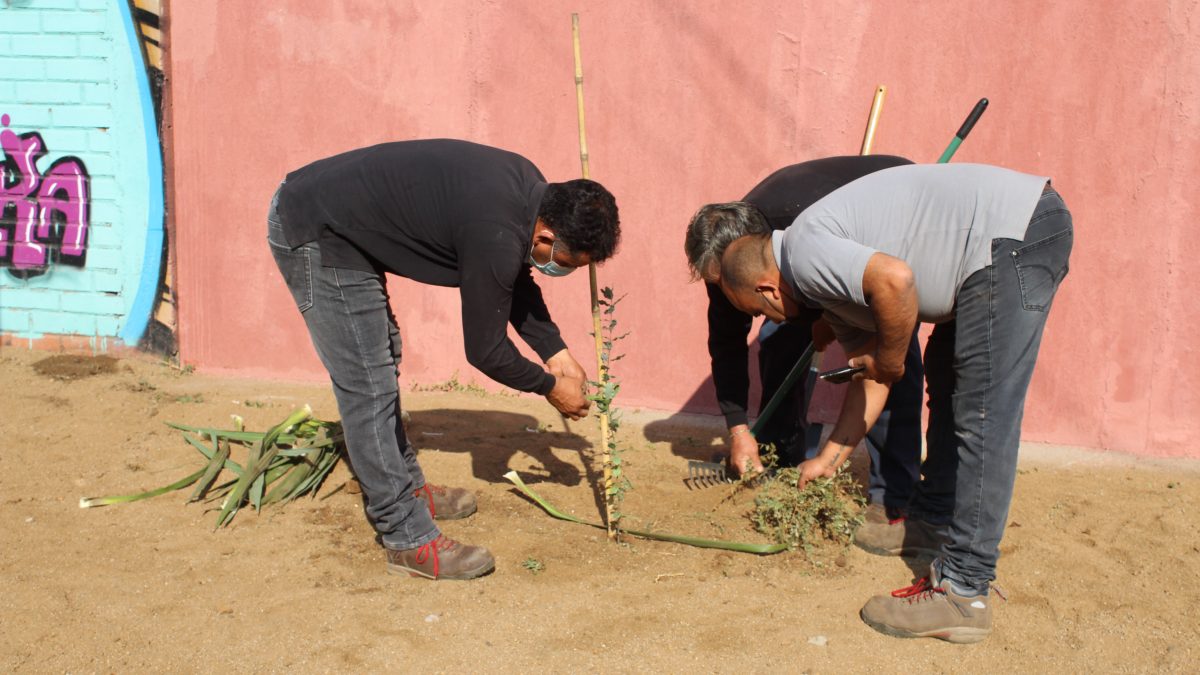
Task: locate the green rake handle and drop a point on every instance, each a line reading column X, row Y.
column 965, row 129
column 796, row 372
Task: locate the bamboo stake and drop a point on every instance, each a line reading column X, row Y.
column 606, row 458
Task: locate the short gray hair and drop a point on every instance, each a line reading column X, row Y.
column 713, row 229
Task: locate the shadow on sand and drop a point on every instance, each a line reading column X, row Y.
column 493, row 437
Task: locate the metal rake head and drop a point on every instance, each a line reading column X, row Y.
column 706, row 474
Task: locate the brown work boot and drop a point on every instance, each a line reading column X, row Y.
column 897, row 535
column 442, row 558
column 447, row 503
column 927, row 610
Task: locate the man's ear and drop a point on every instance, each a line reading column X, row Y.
column 771, row 289
column 542, row 234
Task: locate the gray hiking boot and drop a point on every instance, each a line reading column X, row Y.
column 926, row 609
column 447, row 503
column 883, row 535
column 442, row 558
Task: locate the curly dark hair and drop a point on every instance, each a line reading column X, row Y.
column 583, row 215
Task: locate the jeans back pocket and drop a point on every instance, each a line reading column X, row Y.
column 1041, row 266
column 296, row 267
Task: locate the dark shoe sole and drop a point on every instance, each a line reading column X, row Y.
column 401, row 570
column 960, row 635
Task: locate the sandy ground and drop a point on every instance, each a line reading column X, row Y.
column 1101, row 561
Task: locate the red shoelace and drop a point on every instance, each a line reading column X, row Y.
column 435, row 548
column 918, row 592
column 429, row 490
column 923, row 590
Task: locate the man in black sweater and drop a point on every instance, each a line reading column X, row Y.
column 444, row 213
column 894, row 444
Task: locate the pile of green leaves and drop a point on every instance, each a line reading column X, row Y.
column 825, row 510
column 285, row 462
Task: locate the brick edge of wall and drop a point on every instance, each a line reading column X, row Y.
column 68, row 344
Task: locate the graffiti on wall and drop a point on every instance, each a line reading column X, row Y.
column 83, row 240
column 43, row 214
column 146, row 16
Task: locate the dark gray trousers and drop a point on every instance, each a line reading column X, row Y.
column 356, row 338
column 977, row 370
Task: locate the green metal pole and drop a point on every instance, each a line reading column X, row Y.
column 784, row 388
column 965, row 129
column 950, row 150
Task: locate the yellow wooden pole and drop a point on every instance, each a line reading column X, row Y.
column 867, row 141
column 873, row 120
column 606, row 458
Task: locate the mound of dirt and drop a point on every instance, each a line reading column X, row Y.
column 67, row 367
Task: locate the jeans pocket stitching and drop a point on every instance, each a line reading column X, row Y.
column 1033, row 246
column 1029, row 248
column 1025, row 304
column 308, row 285
column 303, row 300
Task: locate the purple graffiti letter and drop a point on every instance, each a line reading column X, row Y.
column 65, row 190
column 23, row 153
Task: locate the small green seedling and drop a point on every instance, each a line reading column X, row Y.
column 606, row 387
column 533, row 565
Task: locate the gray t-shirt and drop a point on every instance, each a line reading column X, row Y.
column 939, row 218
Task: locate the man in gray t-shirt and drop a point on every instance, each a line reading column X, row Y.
column 979, row 251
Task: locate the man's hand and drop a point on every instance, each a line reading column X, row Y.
column 817, row 467
column 822, row 335
column 563, row 364
column 878, row 371
column 567, row 397
column 743, row 451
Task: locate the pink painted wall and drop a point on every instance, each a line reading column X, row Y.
column 697, row 101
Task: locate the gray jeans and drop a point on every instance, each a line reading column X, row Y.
column 977, row 371
column 355, row 335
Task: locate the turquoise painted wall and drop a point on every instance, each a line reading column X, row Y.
column 73, row 73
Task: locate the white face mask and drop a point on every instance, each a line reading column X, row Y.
column 550, row 269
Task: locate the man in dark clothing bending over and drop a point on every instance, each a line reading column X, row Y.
column 894, row 443
column 444, row 213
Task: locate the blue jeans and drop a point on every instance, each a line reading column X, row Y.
column 893, row 444
column 978, row 368
column 356, row 338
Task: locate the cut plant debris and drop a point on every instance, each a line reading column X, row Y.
column 825, row 510
column 287, row 461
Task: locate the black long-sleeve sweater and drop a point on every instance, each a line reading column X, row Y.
column 780, row 197
column 445, row 213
